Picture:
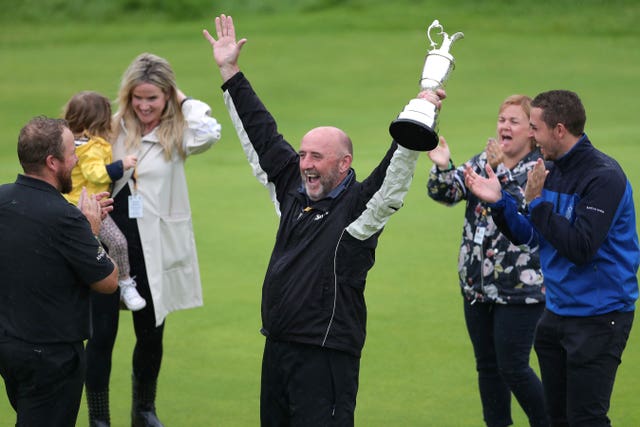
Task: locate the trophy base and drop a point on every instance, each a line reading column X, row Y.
column 413, row 134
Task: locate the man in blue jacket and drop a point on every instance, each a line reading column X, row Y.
column 581, row 213
column 313, row 308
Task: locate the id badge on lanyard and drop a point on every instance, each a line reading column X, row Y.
column 135, row 200
column 478, row 237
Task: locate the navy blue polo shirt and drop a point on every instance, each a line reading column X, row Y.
column 48, row 259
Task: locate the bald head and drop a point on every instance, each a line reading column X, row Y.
column 333, row 137
column 326, row 153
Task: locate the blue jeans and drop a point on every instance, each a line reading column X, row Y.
column 502, row 337
column 579, row 357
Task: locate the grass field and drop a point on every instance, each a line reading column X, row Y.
column 354, row 67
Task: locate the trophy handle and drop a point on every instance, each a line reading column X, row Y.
column 434, row 24
column 446, row 43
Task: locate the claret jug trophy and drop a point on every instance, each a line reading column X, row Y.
column 416, row 126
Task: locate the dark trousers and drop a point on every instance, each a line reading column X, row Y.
column 307, row 386
column 43, row 381
column 579, row 357
column 502, row 337
column 147, row 353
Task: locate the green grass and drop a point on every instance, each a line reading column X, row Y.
column 354, row 67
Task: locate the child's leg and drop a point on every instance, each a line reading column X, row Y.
column 111, row 236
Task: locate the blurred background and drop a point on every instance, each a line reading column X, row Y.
column 353, row 64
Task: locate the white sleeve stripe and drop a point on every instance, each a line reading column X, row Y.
column 249, row 151
column 389, row 198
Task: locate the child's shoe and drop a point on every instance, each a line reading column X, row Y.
column 130, row 296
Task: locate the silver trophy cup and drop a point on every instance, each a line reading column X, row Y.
column 415, row 128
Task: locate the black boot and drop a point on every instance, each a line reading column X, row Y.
column 98, row 402
column 143, row 410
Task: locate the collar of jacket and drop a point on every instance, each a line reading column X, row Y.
column 578, row 149
column 334, row 194
column 336, row 191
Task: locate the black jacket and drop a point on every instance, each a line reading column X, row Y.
column 313, row 291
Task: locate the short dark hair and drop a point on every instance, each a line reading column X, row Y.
column 40, row 138
column 561, row 106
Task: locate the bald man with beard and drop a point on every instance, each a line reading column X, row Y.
column 313, row 307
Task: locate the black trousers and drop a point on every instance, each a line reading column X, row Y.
column 105, row 311
column 502, row 337
column 307, row 386
column 578, row 358
column 43, row 381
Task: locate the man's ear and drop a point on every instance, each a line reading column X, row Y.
column 51, row 163
column 561, row 130
column 345, row 163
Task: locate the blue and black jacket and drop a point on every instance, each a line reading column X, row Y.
column 585, row 225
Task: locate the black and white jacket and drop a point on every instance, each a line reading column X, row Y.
column 313, row 291
column 491, row 269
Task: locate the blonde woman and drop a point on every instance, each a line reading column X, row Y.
column 161, row 126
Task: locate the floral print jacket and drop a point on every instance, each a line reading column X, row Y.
column 490, row 267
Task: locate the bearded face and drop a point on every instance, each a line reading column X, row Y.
column 64, row 181
column 68, row 162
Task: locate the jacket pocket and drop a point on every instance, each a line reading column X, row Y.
column 177, row 242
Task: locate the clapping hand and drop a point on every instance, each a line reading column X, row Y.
column 486, row 189
column 441, row 155
column 494, row 153
column 535, row 181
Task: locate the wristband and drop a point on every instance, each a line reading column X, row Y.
column 184, row 100
column 449, row 167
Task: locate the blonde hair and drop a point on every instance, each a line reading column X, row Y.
column 89, row 113
column 522, row 101
column 152, row 69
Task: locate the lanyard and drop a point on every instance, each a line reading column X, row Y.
column 134, row 176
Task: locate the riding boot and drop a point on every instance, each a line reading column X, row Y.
column 143, row 409
column 98, row 402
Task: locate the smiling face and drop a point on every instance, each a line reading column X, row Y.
column 324, row 161
column 514, row 134
column 148, row 102
column 544, row 136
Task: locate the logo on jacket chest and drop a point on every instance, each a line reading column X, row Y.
column 320, row 215
column 317, row 216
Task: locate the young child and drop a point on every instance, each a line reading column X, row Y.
column 89, row 117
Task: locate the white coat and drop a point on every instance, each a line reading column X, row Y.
column 166, row 230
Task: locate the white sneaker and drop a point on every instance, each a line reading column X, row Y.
column 130, row 296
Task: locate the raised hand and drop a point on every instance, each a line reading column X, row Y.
column 441, row 155
column 226, row 49
column 434, row 97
